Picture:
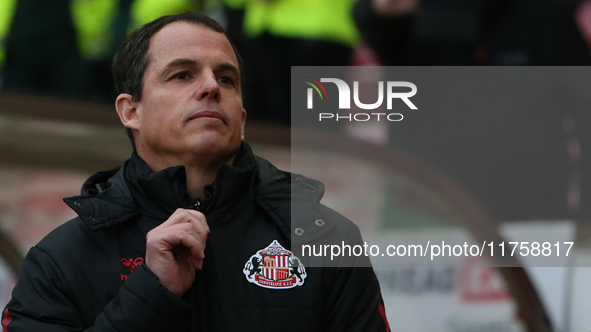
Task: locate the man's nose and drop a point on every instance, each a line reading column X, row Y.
column 208, row 87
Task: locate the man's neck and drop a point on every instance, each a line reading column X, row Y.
column 199, row 171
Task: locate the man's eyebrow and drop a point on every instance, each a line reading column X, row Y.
column 180, row 63
column 231, row 67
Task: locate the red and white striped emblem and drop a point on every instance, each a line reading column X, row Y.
column 275, row 267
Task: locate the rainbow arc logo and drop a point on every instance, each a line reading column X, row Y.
column 310, row 91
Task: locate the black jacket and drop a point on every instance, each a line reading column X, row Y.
column 88, row 275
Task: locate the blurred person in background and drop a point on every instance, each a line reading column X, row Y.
column 41, row 51
column 6, row 14
column 65, row 47
column 274, row 35
column 473, row 32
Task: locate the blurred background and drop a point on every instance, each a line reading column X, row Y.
column 58, row 126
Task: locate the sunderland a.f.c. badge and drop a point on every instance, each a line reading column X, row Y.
column 275, row 267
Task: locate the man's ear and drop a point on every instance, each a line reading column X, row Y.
column 127, row 110
column 243, row 122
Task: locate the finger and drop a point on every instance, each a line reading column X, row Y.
column 166, row 239
column 199, row 229
column 194, row 245
column 200, row 217
column 196, row 248
column 184, row 215
column 168, row 242
column 193, row 227
column 199, row 224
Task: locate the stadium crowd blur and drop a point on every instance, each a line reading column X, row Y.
column 64, row 47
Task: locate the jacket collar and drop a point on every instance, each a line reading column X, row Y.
column 116, row 196
column 105, row 200
column 159, row 194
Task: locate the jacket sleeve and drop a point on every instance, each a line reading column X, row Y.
column 42, row 301
column 355, row 301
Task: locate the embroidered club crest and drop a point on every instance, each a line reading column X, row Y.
column 275, row 267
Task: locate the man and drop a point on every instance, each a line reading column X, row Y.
column 192, row 233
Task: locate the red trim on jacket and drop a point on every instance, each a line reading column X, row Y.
column 7, row 319
column 383, row 313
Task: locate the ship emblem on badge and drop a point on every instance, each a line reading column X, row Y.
column 275, row 267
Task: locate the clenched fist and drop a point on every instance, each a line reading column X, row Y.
column 176, row 248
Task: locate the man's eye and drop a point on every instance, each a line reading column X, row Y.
column 181, row 76
column 226, row 80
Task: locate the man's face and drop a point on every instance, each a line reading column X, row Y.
column 191, row 101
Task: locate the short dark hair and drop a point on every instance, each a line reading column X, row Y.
column 132, row 59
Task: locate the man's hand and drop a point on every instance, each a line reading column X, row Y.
column 175, row 249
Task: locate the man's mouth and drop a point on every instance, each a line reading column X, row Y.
column 207, row 114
